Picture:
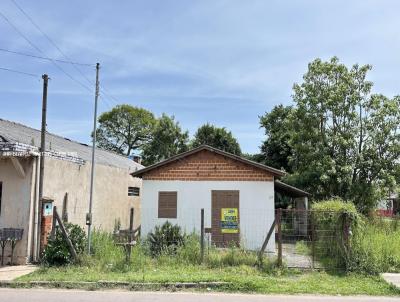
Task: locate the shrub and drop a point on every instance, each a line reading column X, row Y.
column 57, row 252
column 332, row 219
column 165, row 239
column 374, row 242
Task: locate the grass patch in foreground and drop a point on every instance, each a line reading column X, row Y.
column 243, row 278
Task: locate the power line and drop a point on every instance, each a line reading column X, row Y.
column 43, row 58
column 50, row 40
column 112, row 98
column 39, row 50
column 108, row 105
column 74, row 64
column 20, row 72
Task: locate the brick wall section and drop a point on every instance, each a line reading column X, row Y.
column 47, row 222
column 207, row 165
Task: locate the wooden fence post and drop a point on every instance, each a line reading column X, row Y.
column 202, row 236
column 264, row 246
column 279, row 223
column 66, row 238
column 346, row 230
column 130, row 236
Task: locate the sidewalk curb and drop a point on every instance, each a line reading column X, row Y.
column 97, row 285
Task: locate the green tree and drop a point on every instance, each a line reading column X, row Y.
column 276, row 150
column 216, row 137
column 124, row 129
column 345, row 140
column 167, row 140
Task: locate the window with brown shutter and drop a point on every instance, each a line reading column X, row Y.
column 167, row 204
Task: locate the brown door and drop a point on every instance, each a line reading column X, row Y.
column 225, row 218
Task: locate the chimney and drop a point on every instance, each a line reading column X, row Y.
column 137, row 159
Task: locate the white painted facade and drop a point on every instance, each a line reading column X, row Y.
column 256, row 207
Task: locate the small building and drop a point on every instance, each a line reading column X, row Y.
column 67, row 169
column 237, row 196
column 389, row 206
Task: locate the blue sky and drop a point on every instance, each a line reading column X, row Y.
column 223, row 62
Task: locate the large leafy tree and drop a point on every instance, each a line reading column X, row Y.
column 167, row 140
column 216, row 137
column 344, row 141
column 125, row 129
column 276, row 150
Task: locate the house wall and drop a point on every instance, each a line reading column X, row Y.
column 206, row 165
column 256, row 206
column 110, row 204
column 15, row 204
column 110, row 201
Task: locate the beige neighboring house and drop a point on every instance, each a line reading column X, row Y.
column 66, row 185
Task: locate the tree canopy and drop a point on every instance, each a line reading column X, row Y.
column 167, row 140
column 216, row 137
column 339, row 138
column 124, row 129
column 276, row 150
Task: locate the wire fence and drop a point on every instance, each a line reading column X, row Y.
column 294, row 238
column 313, row 239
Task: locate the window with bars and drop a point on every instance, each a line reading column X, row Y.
column 167, row 204
column 133, row 191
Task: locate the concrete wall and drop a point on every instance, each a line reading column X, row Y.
column 15, row 204
column 110, row 204
column 110, row 201
column 256, row 202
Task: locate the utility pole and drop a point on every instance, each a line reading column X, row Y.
column 42, row 151
column 89, row 214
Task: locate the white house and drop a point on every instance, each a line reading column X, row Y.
column 236, row 194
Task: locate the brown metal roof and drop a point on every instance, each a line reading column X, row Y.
column 289, row 190
column 275, row 172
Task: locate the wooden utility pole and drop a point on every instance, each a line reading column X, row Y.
column 89, row 215
column 42, row 152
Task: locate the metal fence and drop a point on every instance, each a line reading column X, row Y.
column 303, row 239
column 312, row 239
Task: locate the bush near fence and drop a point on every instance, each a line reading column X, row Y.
column 373, row 243
column 57, row 252
column 340, row 219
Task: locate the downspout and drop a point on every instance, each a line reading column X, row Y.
column 31, row 231
column 35, row 222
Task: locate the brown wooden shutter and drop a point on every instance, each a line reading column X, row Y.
column 167, row 204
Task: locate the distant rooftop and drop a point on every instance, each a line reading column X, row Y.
column 17, row 133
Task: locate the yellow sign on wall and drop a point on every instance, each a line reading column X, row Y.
column 229, row 221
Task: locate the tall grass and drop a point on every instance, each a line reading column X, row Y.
column 375, row 247
column 107, row 256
